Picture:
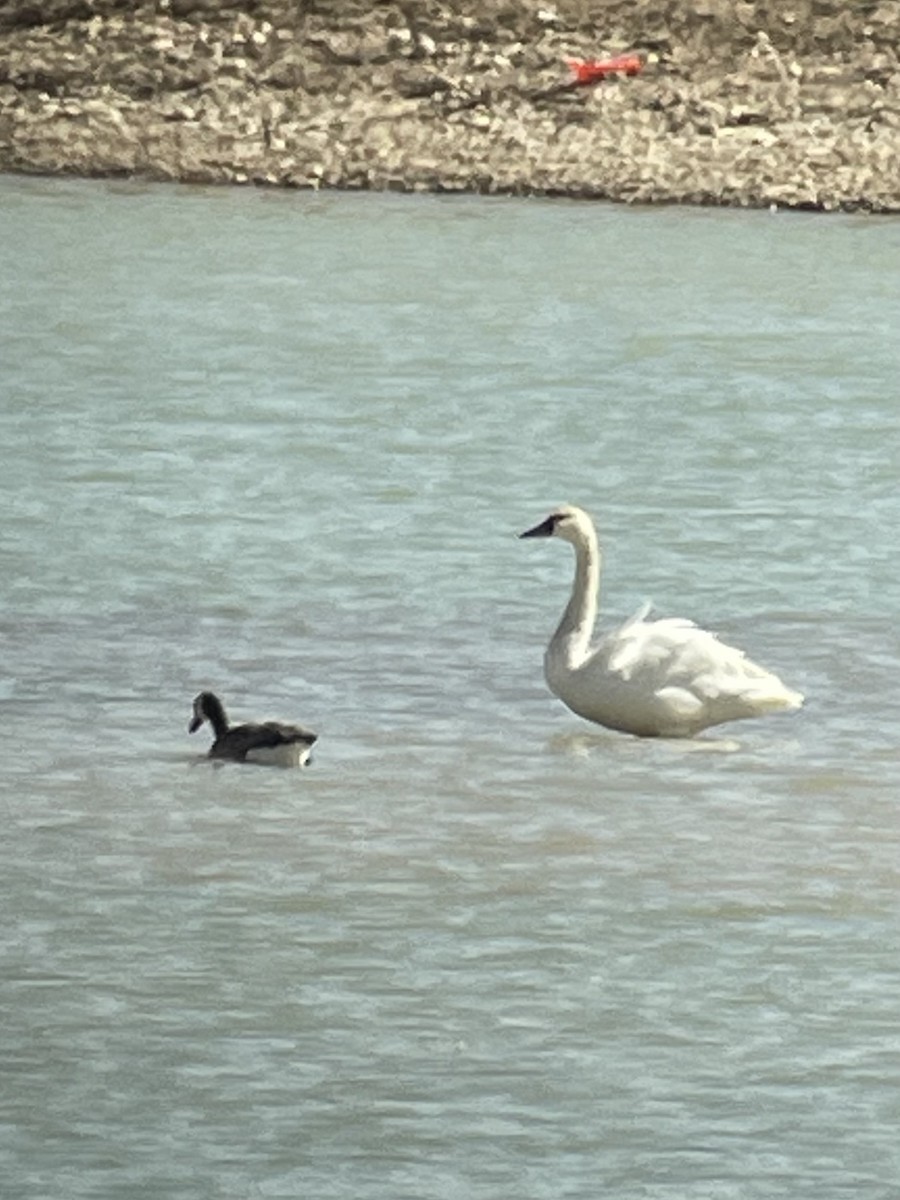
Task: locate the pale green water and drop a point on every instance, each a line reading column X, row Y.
column 280, row 445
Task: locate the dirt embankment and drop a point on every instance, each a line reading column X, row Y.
column 772, row 101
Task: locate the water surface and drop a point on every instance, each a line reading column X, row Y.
column 279, row 445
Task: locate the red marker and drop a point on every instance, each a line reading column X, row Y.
column 592, row 70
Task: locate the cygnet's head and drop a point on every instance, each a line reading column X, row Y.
column 566, row 521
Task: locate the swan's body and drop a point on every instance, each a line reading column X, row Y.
column 269, row 743
column 663, row 678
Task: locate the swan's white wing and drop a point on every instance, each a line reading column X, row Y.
column 678, row 669
column 642, row 646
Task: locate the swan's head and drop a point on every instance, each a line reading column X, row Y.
column 207, row 707
column 566, row 521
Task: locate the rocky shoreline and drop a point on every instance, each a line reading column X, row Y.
column 758, row 103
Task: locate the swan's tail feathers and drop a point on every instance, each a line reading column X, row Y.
column 792, row 700
column 774, row 697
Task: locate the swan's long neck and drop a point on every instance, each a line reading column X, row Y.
column 570, row 644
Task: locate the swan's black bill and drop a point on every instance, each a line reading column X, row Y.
column 195, row 724
column 545, row 529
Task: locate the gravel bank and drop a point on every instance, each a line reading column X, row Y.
column 768, row 102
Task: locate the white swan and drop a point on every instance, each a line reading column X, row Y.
column 662, row 678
